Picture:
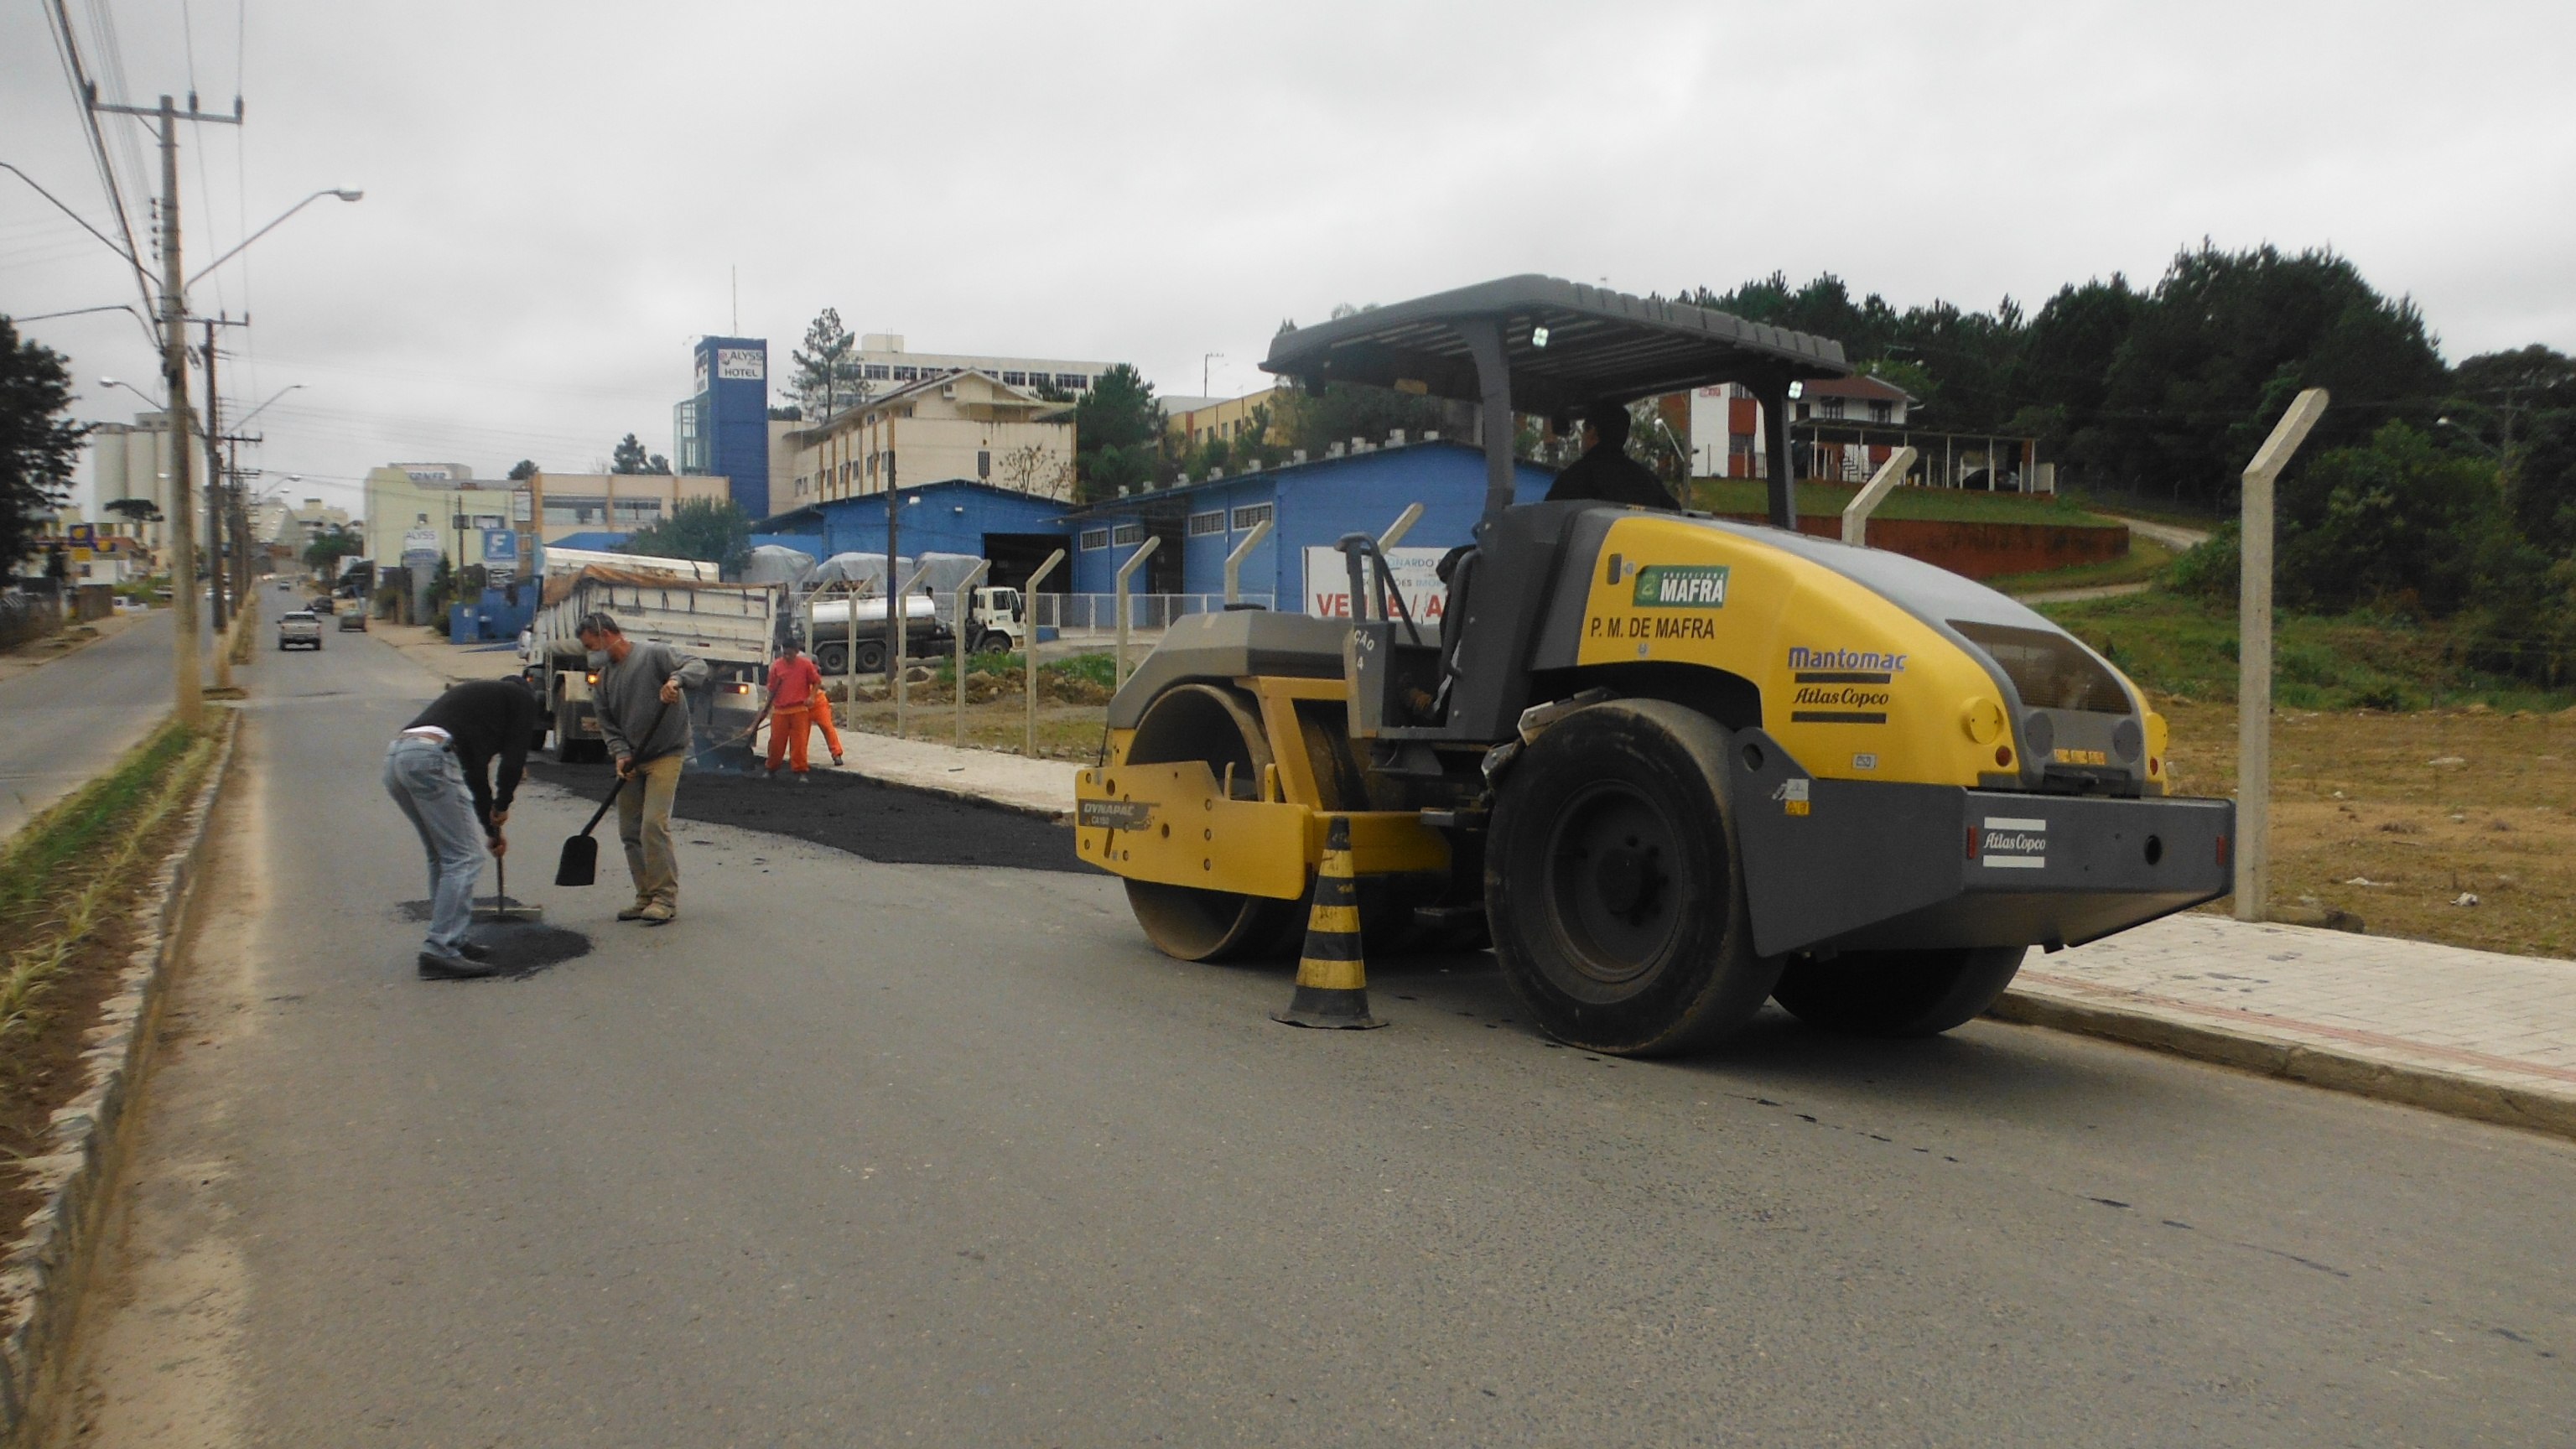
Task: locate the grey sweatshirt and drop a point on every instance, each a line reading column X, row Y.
column 628, row 696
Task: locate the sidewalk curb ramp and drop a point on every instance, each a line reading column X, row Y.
column 42, row 1278
column 2429, row 1088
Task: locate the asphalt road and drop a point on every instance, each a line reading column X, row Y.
column 62, row 724
column 867, row 1153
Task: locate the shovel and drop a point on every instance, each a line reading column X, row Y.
column 580, row 863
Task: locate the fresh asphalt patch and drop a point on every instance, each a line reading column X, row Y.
column 873, row 821
column 520, row 948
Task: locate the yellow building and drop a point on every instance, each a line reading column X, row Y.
column 1229, row 419
column 964, row 425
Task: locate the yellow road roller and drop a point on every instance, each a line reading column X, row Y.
column 1670, row 765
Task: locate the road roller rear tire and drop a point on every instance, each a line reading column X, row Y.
column 1897, row 993
column 1219, row 726
column 1614, row 887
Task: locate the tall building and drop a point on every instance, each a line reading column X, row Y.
column 130, row 460
column 723, row 429
column 884, row 365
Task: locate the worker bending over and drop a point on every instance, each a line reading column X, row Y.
column 436, row 770
column 794, row 687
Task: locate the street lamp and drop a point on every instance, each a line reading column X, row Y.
column 342, row 192
column 157, row 404
column 244, row 419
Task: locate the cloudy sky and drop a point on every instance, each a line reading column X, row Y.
column 558, row 193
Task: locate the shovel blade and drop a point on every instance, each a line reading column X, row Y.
column 580, row 863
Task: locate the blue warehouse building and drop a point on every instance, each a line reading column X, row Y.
column 1014, row 530
column 723, row 429
column 1308, row 505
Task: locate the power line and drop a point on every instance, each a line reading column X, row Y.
column 59, row 20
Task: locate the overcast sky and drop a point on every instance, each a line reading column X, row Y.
column 556, row 192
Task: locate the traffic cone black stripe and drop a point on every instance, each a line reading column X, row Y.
column 1332, row 974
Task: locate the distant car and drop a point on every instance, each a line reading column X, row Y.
column 355, row 619
column 299, row 629
column 323, row 604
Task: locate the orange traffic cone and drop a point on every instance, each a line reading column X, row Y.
column 1332, row 976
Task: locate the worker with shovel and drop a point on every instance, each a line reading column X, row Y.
column 436, row 770
column 794, row 687
column 639, row 683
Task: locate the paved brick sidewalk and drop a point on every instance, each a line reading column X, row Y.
column 2473, row 1033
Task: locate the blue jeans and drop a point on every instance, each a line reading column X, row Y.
column 423, row 777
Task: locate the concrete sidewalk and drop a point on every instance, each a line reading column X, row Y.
column 1042, row 788
column 2470, row 1033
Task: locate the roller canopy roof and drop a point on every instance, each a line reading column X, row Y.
column 1597, row 344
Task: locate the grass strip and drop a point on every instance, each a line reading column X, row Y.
column 64, row 907
column 72, row 829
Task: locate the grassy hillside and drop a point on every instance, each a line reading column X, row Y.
column 2175, row 644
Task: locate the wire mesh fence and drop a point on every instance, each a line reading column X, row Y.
column 25, row 616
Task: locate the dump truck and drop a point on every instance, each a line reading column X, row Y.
column 1669, row 765
column 727, row 625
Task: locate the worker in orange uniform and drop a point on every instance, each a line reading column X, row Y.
column 794, row 685
column 823, row 721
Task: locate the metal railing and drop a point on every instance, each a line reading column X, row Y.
column 1098, row 613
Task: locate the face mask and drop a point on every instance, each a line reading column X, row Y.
column 598, row 660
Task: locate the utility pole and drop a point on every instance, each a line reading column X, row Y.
column 215, row 509
column 190, row 704
column 894, row 640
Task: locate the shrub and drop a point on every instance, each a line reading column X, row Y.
column 2209, row 570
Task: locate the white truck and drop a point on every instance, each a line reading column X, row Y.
column 728, row 625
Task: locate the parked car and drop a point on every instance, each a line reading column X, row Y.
column 300, row 629
column 353, row 618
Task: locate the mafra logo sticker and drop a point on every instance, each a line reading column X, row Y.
column 1681, row 586
column 2014, row 844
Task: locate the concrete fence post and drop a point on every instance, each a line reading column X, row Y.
column 1029, row 597
column 2254, row 657
column 1234, row 562
column 1856, row 513
column 965, row 590
column 1134, row 561
column 898, row 656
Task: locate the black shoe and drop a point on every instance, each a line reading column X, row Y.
column 439, row 966
column 473, row 952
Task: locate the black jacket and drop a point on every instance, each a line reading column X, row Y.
column 484, row 718
column 1609, row 475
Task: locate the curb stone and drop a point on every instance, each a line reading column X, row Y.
column 2429, row 1088
column 42, row 1275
